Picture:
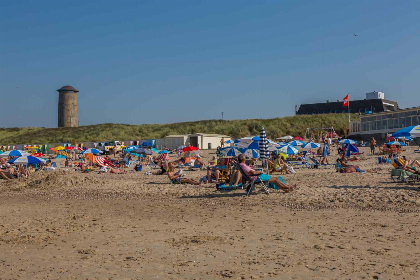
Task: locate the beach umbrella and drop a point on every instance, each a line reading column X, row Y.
column 132, row 147
column 58, row 148
column 25, row 160
column 288, row 137
column 154, row 150
column 410, row 131
column 91, row 151
column 396, row 143
column 347, row 141
column 297, row 143
column 351, row 149
column 192, row 154
column 146, row 144
column 263, row 145
column 64, row 153
column 180, row 148
column 311, row 145
column 14, row 153
column 298, row 138
column 190, row 148
column 230, row 152
column 163, row 152
column 141, row 151
column 288, row 149
column 251, row 153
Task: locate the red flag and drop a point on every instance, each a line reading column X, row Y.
column 346, row 101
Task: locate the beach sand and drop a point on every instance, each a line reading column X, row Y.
column 69, row 225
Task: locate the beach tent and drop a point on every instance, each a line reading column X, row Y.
column 90, row 157
column 351, row 149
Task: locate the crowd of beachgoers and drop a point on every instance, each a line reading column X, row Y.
column 235, row 165
column 335, row 207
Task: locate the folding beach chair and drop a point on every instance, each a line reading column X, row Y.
column 399, row 175
column 250, row 184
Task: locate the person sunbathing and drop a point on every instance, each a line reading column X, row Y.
column 176, row 177
column 117, row 171
column 257, row 176
column 411, row 163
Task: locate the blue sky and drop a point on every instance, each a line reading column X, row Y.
column 170, row 61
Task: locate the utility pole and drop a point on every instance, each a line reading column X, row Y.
column 222, row 115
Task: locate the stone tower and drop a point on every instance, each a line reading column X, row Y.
column 67, row 107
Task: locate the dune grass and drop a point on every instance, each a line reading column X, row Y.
column 293, row 125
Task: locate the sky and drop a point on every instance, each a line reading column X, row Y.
column 166, row 61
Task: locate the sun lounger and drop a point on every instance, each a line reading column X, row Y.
column 399, row 175
column 250, row 184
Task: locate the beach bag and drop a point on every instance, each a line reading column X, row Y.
column 138, row 167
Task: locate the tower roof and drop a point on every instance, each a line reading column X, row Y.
column 67, row 88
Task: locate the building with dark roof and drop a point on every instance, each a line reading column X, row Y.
column 380, row 125
column 374, row 103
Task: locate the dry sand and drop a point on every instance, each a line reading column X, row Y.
column 68, row 225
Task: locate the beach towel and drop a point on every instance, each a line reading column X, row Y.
column 100, row 161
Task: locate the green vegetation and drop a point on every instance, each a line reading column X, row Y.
column 295, row 125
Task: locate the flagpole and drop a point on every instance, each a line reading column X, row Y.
column 348, row 102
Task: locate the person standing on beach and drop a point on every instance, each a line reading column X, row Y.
column 372, row 145
column 222, row 142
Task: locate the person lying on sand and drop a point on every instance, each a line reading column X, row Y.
column 354, row 169
column 7, row 175
column 117, row 171
column 259, row 175
column 176, row 177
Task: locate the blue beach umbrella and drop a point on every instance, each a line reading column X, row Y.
column 347, row 141
column 251, row 153
column 410, row 131
column 132, row 147
column 396, row 143
column 230, row 152
column 163, row 152
column 154, row 150
column 25, row 160
column 91, row 151
column 14, row 153
column 288, row 150
column 297, row 143
column 311, row 145
column 351, row 149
